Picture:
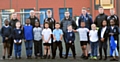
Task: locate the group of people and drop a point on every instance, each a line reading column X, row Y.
column 91, row 35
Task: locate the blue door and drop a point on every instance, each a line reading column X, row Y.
column 61, row 12
column 44, row 15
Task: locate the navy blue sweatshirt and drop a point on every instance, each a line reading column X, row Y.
column 70, row 36
column 6, row 32
column 17, row 34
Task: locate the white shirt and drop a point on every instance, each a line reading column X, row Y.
column 83, row 34
column 103, row 31
column 93, row 35
column 47, row 33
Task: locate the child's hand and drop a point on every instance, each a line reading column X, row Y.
column 6, row 38
column 111, row 34
column 70, row 41
column 20, row 41
column 102, row 39
column 15, row 41
column 24, row 40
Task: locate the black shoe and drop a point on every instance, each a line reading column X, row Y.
column 16, row 57
column 19, row 57
column 53, row 57
column 105, row 59
column 100, row 58
column 86, row 57
column 3, row 58
column 82, row 56
column 36, row 57
column 65, row 58
column 48, row 56
column 89, row 54
column 44, row 57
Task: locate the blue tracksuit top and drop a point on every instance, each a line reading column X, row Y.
column 70, row 36
column 28, row 32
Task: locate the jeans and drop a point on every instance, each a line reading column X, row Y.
column 17, row 49
column 94, row 46
column 29, row 45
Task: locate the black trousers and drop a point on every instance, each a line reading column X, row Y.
column 68, row 46
column 38, row 48
column 59, row 45
column 11, row 46
column 103, row 45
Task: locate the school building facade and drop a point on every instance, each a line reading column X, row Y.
column 57, row 6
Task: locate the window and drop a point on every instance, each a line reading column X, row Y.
column 107, row 4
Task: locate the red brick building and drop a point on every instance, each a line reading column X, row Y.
column 57, row 6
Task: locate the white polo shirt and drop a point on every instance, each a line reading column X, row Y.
column 83, row 34
column 93, row 35
column 47, row 33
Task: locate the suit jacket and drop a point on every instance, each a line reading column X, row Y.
column 105, row 35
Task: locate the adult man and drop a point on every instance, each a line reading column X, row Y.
column 113, row 16
column 33, row 18
column 102, row 16
column 12, row 24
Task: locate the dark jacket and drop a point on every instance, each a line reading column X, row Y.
column 98, row 20
column 87, row 20
column 33, row 20
column 70, row 36
column 65, row 22
column 115, row 17
column 13, row 22
column 6, row 32
column 51, row 22
column 17, row 34
column 105, row 36
column 115, row 31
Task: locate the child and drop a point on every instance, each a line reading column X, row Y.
column 46, row 37
column 28, row 36
column 113, row 36
column 70, row 38
column 103, row 34
column 37, row 31
column 17, row 36
column 83, row 38
column 6, row 32
column 57, row 35
column 93, row 41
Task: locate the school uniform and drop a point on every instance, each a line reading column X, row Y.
column 70, row 36
column 37, row 31
column 57, row 43
column 83, row 35
column 93, row 42
column 115, row 31
column 17, row 36
column 28, row 36
column 47, row 33
column 6, row 31
column 103, row 33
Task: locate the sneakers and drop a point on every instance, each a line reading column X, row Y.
column 93, row 58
